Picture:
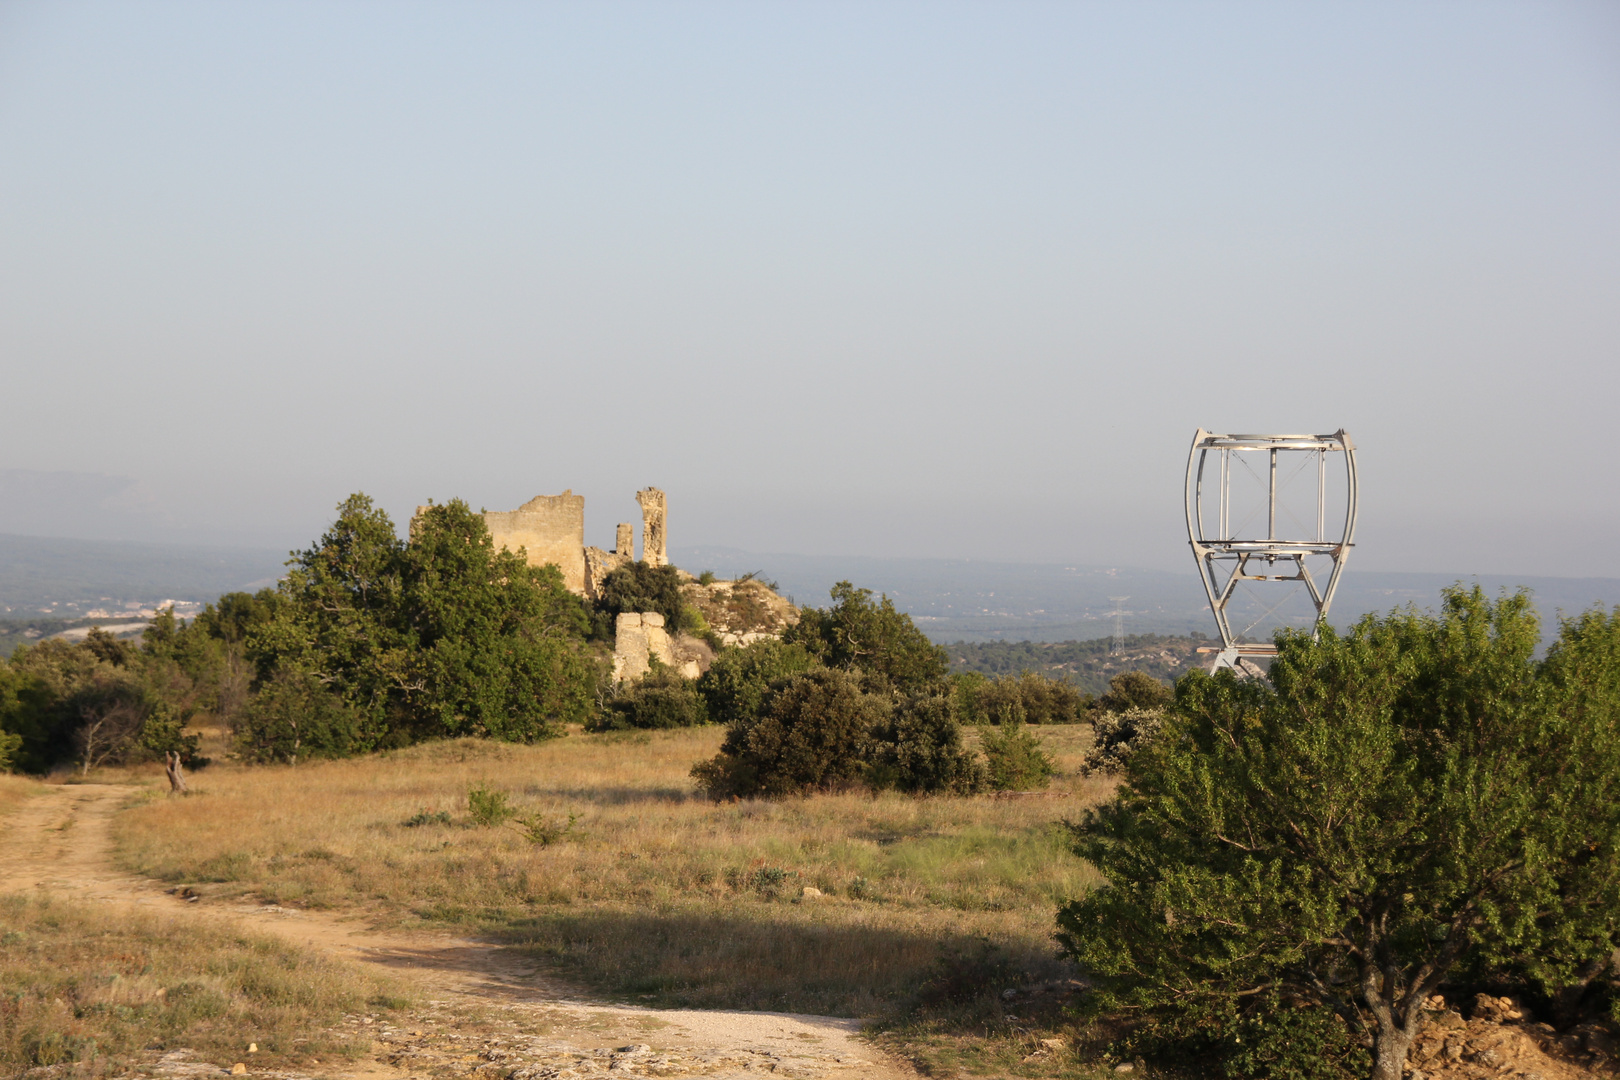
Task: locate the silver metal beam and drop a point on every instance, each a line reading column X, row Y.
column 1223, row 559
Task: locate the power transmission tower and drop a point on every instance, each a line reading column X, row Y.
column 1229, row 556
column 1118, row 645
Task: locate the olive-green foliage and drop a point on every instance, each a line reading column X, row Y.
column 1043, row 700
column 737, row 683
column 445, row 635
column 856, row 633
column 662, row 698
column 813, row 734
column 1134, row 690
column 918, row 748
column 9, row 745
column 488, row 806
column 639, row 587
column 1118, row 735
column 1263, row 1036
column 99, row 701
column 294, row 717
column 1414, row 793
column 1014, row 758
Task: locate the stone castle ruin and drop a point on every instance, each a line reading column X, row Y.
column 551, row 529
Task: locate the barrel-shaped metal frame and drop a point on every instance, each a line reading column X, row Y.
column 1212, row 552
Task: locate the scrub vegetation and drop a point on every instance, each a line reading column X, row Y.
column 93, row 985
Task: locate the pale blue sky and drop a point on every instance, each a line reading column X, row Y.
column 937, row 279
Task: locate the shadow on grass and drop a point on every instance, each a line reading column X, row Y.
column 615, row 796
column 779, row 958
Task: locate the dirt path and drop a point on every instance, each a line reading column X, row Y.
column 527, row 1027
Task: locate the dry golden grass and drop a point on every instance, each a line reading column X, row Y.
column 86, row 983
column 14, row 790
column 658, row 896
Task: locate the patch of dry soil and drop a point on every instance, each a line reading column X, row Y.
column 490, row 1015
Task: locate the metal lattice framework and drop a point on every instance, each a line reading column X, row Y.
column 1225, row 560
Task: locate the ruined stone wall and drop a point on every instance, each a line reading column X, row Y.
column 599, row 564
column 551, row 528
column 636, row 638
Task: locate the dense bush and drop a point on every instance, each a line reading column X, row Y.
column 1014, row 760
column 662, row 698
column 1417, row 794
column 100, row 701
column 813, row 734
column 1118, row 735
column 918, row 748
column 858, row 634
column 637, row 587
column 738, row 682
column 1133, row 690
column 1041, row 699
column 294, row 717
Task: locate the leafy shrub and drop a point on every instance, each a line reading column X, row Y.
column 660, row 699
column 1134, row 690
column 857, row 633
column 919, row 749
column 1014, row 758
column 488, row 806
column 1264, row 1037
column 707, row 578
column 294, row 716
column 543, row 833
column 426, row 817
column 637, row 587
column 1118, row 735
column 1043, row 700
column 813, row 734
column 737, row 683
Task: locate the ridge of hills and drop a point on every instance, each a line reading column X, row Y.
column 53, row 580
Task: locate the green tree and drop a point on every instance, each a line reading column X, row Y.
column 1015, row 759
column 1134, row 690
column 856, row 633
column 1404, row 796
column 340, row 622
column 740, row 679
column 1043, row 700
column 445, row 635
column 494, row 642
column 293, row 717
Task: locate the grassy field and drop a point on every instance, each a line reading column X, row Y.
column 14, row 789
column 655, row 895
column 88, row 984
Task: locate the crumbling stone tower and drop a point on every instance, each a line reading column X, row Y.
column 653, row 551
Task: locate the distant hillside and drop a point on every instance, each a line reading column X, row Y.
column 1086, row 664
column 970, row 600
column 47, row 576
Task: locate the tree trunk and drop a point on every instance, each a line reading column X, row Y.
column 171, row 768
column 1567, row 1001
column 1389, row 1052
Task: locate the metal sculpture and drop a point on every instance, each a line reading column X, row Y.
column 1226, row 558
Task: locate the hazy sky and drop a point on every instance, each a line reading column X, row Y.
column 933, row 278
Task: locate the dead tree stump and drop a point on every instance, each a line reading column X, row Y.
column 171, row 768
